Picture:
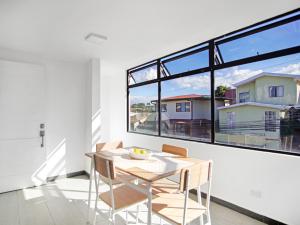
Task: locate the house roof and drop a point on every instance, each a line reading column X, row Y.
column 273, row 106
column 180, row 97
column 250, row 79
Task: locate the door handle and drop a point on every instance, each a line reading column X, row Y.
column 42, row 133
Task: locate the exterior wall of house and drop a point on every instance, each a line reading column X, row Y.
column 172, row 114
column 201, row 109
column 262, row 85
column 249, row 87
column 249, row 127
column 249, row 116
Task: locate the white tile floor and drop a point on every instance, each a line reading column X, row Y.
column 64, row 202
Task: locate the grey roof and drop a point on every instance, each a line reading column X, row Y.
column 250, row 79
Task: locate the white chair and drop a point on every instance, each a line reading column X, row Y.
column 117, row 198
column 178, row 208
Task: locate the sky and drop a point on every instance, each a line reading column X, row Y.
column 270, row 40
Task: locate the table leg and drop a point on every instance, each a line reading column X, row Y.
column 149, row 219
column 90, row 191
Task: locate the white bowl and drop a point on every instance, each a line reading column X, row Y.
column 133, row 155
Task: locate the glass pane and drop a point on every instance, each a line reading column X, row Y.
column 184, row 63
column 277, row 38
column 143, row 117
column 141, row 75
column 188, row 113
column 261, row 121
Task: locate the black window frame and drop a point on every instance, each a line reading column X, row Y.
column 216, row 63
column 183, row 105
column 270, row 121
column 276, row 95
column 244, row 99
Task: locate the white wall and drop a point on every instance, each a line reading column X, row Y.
column 65, row 111
column 265, row 183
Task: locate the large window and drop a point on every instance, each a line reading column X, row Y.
column 246, row 82
column 143, row 116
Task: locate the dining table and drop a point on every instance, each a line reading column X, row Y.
column 158, row 166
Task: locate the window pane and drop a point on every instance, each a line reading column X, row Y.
column 141, row 75
column 277, row 38
column 143, row 117
column 188, row 103
column 185, row 62
column 270, row 118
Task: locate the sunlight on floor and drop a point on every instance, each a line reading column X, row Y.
column 64, row 202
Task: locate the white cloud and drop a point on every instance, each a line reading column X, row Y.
column 142, row 99
column 194, row 82
column 144, row 75
column 290, row 69
column 151, row 74
column 233, row 75
column 225, row 77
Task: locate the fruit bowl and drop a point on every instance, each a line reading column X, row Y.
column 139, row 153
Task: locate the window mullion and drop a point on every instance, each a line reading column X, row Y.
column 212, row 88
column 159, row 97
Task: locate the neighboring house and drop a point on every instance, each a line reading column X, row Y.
column 188, row 107
column 261, row 102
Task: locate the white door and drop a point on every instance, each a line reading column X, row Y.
column 22, row 96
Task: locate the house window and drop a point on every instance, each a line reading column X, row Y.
column 163, row 107
column 231, row 119
column 276, row 91
column 270, row 121
column 197, row 80
column 244, row 97
column 183, row 107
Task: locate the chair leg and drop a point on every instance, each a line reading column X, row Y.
column 208, row 217
column 201, row 220
column 113, row 217
column 200, row 203
column 137, row 214
column 96, row 200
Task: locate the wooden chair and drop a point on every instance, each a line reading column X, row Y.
column 166, row 185
column 178, row 208
column 109, row 146
column 175, row 150
column 118, row 198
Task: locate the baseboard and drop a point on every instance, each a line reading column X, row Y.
column 68, row 175
column 241, row 210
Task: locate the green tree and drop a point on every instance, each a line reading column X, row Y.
column 220, row 91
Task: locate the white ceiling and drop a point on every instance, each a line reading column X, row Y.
column 137, row 30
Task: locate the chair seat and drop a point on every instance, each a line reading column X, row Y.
column 124, row 196
column 170, row 207
column 164, row 186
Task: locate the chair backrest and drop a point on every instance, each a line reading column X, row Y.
column 175, row 150
column 104, row 166
column 109, row 145
column 195, row 176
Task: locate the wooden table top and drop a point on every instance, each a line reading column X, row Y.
column 158, row 166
